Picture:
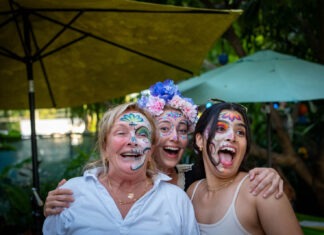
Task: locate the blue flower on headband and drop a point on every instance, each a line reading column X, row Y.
column 165, row 90
column 167, row 93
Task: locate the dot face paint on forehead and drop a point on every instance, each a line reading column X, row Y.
column 230, row 116
column 171, row 120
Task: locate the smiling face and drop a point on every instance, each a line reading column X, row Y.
column 129, row 142
column 228, row 147
column 173, row 138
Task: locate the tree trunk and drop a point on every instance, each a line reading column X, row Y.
column 291, row 159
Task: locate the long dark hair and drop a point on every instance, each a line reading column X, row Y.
column 209, row 118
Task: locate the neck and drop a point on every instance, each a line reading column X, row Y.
column 168, row 171
column 216, row 184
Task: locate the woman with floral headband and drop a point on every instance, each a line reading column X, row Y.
column 175, row 118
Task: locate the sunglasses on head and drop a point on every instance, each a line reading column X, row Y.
column 218, row 101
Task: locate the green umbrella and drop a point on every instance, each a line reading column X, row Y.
column 266, row 76
column 66, row 53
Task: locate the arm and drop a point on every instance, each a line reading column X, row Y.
column 277, row 216
column 57, row 200
column 267, row 181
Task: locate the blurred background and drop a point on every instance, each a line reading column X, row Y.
column 289, row 140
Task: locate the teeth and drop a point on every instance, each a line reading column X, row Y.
column 172, row 148
column 229, row 149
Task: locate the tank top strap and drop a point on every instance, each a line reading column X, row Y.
column 238, row 188
column 195, row 189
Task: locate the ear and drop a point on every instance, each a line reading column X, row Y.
column 199, row 140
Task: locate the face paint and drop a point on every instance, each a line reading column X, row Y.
column 173, row 130
column 170, row 121
column 145, row 139
column 230, row 116
column 132, row 130
column 230, row 129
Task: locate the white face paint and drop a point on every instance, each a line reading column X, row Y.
column 228, row 146
column 173, row 132
column 130, row 141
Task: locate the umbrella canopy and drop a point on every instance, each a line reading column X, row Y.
column 265, row 76
column 67, row 53
column 89, row 51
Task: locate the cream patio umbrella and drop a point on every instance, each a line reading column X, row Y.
column 66, row 53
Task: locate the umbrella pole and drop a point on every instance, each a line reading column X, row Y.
column 268, row 113
column 36, row 201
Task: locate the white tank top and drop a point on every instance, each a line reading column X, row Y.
column 229, row 224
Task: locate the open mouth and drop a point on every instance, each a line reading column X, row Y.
column 171, row 150
column 131, row 155
column 226, row 155
column 136, row 159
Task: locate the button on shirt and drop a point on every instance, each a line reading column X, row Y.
column 165, row 209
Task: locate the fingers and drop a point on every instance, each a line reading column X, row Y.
column 274, row 186
column 266, row 179
column 259, row 179
column 52, row 211
column 280, row 193
column 57, row 200
column 61, row 183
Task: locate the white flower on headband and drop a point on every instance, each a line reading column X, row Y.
column 167, row 93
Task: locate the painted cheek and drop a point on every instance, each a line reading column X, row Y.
column 144, row 149
column 184, row 137
column 213, row 151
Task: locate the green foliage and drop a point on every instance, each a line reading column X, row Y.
column 15, row 208
column 16, row 203
column 12, row 135
column 74, row 167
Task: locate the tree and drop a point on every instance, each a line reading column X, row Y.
column 291, row 27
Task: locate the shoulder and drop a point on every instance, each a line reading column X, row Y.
column 81, row 183
column 193, row 187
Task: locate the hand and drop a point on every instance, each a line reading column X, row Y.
column 57, row 200
column 261, row 178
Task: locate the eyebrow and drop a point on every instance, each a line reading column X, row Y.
column 236, row 124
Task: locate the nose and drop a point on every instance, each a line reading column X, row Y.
column 175, row 136
column 230, row 136
column 132, row 140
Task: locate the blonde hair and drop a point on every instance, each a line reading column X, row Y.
column 107, row 122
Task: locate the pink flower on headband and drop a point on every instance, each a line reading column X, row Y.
column 167, row 93
column 155, row 105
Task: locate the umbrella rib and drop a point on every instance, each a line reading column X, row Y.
column 18, row 28
column 62, row 47
column 6, row 22
column 10, row 54
column 49, row 88
column 115, row 44
column 57, row 35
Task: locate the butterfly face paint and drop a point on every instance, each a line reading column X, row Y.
column 229, row 141
column 131, row 139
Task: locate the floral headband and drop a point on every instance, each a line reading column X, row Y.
column 167, row 93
